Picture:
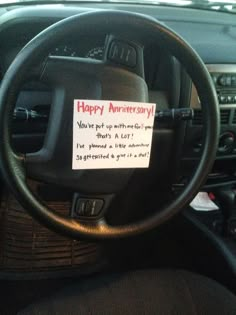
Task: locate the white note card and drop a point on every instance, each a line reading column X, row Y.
column 112, row 134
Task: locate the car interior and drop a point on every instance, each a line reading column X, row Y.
column 81, row 233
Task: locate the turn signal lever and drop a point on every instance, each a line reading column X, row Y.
column 175, row 114
column 23, row 114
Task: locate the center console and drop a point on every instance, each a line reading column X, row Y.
column 219, row 226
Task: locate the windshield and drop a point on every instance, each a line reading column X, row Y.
column 218, row 5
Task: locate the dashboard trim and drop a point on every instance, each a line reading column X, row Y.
column 217, row 68
column 222, row 68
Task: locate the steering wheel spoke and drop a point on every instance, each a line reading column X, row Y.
column 71, row 72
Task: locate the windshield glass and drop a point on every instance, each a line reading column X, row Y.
column 218, row 5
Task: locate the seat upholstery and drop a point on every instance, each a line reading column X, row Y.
column 149, row 292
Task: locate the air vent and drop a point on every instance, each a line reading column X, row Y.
column 197, row 120
column 234, row 118
column 224, row 117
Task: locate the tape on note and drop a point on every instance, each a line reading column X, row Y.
column 112, row 134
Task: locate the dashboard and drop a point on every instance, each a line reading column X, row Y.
column 211, row 34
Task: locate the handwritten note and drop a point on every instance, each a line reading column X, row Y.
column 112, row 134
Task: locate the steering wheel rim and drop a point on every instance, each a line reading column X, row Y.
column 12, row 164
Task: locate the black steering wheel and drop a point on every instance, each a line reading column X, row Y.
column 73, row 78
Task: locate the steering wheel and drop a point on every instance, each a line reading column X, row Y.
column 109, row 79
